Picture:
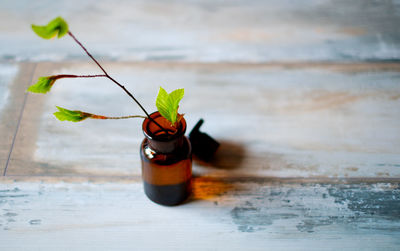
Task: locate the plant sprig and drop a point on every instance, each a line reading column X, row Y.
column 167, row 104
column 44, row 84
column 77, row 116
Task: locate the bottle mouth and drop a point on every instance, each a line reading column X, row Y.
column 152, row 131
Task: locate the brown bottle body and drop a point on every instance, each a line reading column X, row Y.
column 166, row 163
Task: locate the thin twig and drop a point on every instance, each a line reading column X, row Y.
column 127, row 117
column 90, row 55
column 116, row 82
column 55, row 77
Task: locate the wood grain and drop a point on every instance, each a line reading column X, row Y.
column 303, row 97
column 222, row 215
column 308, row 160
column 14, row 79
column 208, row 31
column 275, row 121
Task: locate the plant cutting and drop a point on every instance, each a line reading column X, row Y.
column 165, row 151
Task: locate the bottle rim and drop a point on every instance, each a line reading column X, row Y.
column 151, row 136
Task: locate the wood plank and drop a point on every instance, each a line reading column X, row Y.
column 223, row 214
column 208, row 31
column 277, row 120
column 304, row 98
column 14, row 79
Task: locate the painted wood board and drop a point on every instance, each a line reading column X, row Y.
column 206, row 31
column 14, row 79
column 223, row 214
column 310, row 153
column 273, row 120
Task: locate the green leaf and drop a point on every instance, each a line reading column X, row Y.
column 57, row 26
column 162, row 103
column 167, row 104
column 43, row 85
column 68, row 115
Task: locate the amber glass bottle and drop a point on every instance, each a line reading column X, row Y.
column 166, row 161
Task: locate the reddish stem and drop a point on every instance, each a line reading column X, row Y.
column 55, row 77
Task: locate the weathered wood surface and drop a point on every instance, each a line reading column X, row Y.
column 304, row 97
column 309, row 158
column 275, row 121
column 223, row 215
column 207, row 30
column 10, row 108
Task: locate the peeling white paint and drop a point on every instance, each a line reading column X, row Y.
column 274, row 215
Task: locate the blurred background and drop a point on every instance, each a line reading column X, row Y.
column 206, row 31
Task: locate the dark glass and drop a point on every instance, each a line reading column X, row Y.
column 166, row 161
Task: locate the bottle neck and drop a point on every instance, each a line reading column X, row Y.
column 166, row 146
column 159, row 140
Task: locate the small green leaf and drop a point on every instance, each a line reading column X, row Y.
column 68, row 115
column 167, row 104
column 57, row 26
column 43, row 85
column 162, row 103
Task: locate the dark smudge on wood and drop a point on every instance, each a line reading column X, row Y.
column 356, row 206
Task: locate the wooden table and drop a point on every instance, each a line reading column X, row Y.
column 310, row 138
column 309, row 157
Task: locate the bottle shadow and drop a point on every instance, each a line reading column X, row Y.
column 229, row 156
